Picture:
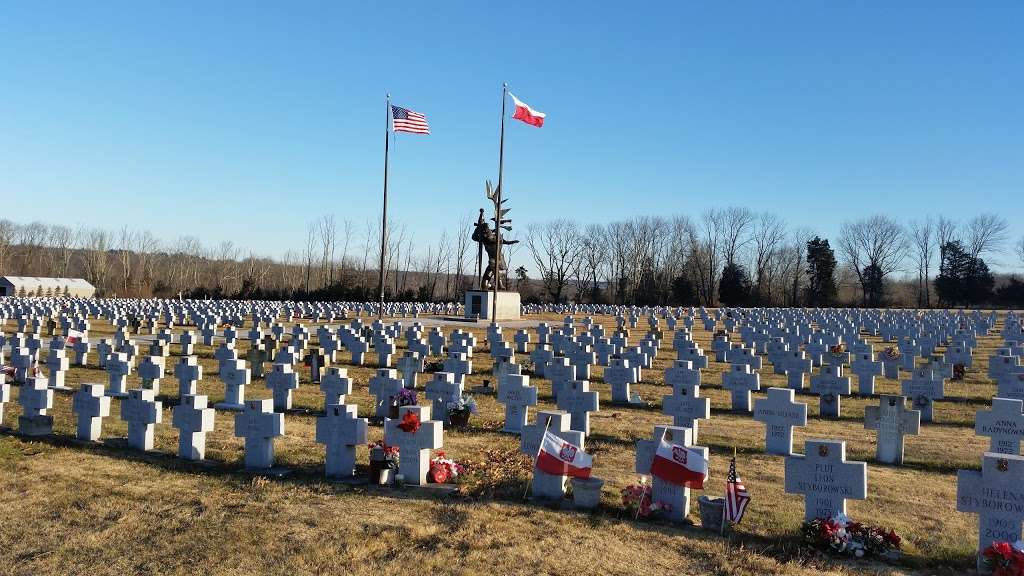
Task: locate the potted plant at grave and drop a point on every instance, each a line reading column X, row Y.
column 443, row 469
column 891, row 354
column 1004, row 559
column 837, row 351
column 460, row 410
column 383, row 462
column 405, row 397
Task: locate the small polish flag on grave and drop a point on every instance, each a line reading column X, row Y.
column 74, row 336
column 679, row 465
column 560, row 458
column 527, row 114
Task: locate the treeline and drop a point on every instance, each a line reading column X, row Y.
column 337, row 263
column 730, row 256
column 737, row 257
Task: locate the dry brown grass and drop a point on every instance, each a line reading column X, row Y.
column 69, row 508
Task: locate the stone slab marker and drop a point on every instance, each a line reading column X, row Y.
column 259, row 425
column 825, row 478
column 142, row 411
column 335, row 385
column 341, row 430
column 780, row 413
column 414, row 447
column 678, row 497
column 995, row 494
column 1003, row 424
column 193, row 419
column 548, row 486
column 35, row 398
column 91, row 406
column 892, row 420
column 515, row 392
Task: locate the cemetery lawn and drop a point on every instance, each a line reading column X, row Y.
column 71, row 508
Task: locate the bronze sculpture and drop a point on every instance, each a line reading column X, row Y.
column 487, row 238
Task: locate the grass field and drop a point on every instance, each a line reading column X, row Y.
column 71, row 508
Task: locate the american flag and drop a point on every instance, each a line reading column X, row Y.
column 736, row 495
column 409, row 121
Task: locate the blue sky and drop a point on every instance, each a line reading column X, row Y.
column 245, row 120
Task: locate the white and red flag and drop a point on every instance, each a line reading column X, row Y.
column 679, row 465
column 527, row 114
column 560, row 458
column 73, row 336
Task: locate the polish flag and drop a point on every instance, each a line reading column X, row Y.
column 73, row 336
column 679, row 465
column 560, row 458
column 527, row 114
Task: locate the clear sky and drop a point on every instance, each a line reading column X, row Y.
column 245, row 120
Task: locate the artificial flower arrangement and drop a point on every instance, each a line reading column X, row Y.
column 410, row 422
column 837, row 350
column 443, row 469
column 637, row 500
column 383, row 461
column 1004, row 559
column 892, row 353
column 841, row 535
column 460, row 409
column 405, row 397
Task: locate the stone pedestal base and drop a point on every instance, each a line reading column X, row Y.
column 35, row 425
column 479, row 303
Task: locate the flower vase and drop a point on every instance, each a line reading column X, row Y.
column 712, row 513
column 459, row 418
column 586, row 492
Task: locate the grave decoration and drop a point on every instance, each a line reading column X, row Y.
column 637, row 500
column 383, row 462
column 959, row 371
column 461, row 409
column 1003, row 558
column 840, row 535
column 405, row 397
column 443, row 469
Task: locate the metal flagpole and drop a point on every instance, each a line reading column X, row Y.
column 497, row 212
column 384, row 212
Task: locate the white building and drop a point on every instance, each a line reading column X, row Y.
column 34, row 286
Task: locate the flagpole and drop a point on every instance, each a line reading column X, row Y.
column 497, row 212
column 384, row 212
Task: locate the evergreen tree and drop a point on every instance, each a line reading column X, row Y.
column 734, row 289
column 821, row 273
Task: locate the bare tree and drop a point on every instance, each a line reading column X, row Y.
column 328, row 236
column 873, row 248
column 921, row 237
column 736, row 222
column 769, row 234
column 125, row 245
column 96, row 245
column 555, row 247
column 986, row 233
column 1020, row 249
column 946, row 230
column 7, row 230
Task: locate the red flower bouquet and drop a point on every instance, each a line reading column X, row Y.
column 410, row 422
